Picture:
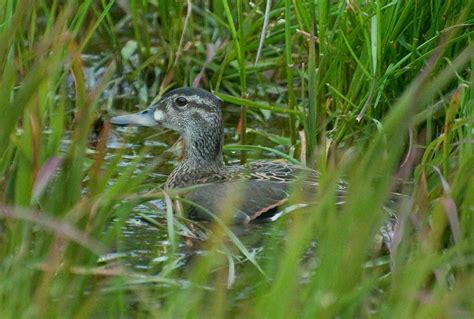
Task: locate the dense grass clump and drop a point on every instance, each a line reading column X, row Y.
column 378, row 93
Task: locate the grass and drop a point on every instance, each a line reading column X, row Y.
column 379, row 93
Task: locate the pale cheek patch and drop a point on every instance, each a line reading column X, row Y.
column 159, row 116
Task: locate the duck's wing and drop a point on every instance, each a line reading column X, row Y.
column 248, row 191
column 236, row 201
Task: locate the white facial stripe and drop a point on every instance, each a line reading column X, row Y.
column 195, row 98
column 199, row 99
column 159, row 115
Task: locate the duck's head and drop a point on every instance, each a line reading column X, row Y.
column 193, row 112
column 183, row 110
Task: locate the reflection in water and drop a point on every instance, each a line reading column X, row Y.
column 141, row 242
column 145, row 247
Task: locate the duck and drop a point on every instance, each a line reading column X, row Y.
column 248, row 192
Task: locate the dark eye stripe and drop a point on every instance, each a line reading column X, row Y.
column 197, row 117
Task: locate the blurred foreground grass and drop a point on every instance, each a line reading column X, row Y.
column 377, row 92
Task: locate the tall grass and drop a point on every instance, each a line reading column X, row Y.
column 379, row 93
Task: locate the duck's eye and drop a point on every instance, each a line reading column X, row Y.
column 181, row 101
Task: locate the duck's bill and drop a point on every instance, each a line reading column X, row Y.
column 143, row 118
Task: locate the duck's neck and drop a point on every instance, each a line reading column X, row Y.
column 202, row 157
column 203, row 147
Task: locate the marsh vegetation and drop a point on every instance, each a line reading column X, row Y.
column 377, row 93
